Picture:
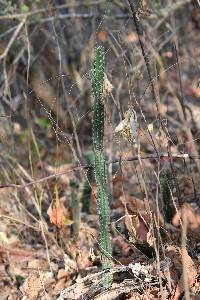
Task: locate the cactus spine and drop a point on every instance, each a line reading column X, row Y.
column 100, row 173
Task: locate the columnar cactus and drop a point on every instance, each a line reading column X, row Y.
column 87, row 190
column 165, row 179
column 76, row 214
column 100, row 172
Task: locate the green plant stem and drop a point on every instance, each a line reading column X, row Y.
column 167, row 209
column 75, row 210
column 100, row 173
column 87, row 191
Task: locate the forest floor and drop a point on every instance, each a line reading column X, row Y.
column 48, row 251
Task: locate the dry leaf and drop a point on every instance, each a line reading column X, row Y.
column 151, row 240
column 138, row 74
column 180, row 259
column 129, row 126
column 191, row 272
column 57, row 216
column 121, row 126
column 35, row 283
column 107, row 86
column 136, row 227
column 192, row 218
column 102, row 35
column 132, row 224
column 62, row 278
column 140, row 217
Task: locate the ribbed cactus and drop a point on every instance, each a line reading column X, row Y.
column 100, row 173
column 87, row 191
column 75, row 209
column 167, row 209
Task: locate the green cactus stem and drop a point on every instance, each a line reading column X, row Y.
column 100, row 172
column 87, row 191
column 75, row 209
column 167, row 209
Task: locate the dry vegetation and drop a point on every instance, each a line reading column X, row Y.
column 49, row 224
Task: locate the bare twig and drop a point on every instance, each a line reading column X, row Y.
column 18, row 221
column 170, row 9
column 44, row 10
column 140, row 33
column 14, row 36
column 160, row 13
column 84, row 167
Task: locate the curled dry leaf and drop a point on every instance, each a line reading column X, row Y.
column 129, row 126
column 191, row 274
column 107, row 86
column 132, row 224
column 190, row 215
column 137, row 217
column 151, row 240
column 180, row 260
column 57, row 215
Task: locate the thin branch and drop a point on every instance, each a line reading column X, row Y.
column 82, row 16
column 161, row 13
column 170, row 9
column 181, row 84
column 140, row 34
column 14, row 36
column 84, row 167
column 44, row 10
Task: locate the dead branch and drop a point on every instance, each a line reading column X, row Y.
column 14, row 36
column 85, row 167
